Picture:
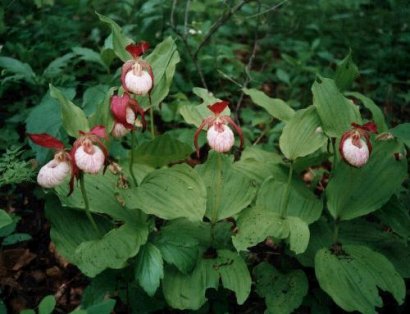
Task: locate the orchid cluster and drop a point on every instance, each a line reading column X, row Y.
column 355, row 146
column 136, row 78
column 87, row 155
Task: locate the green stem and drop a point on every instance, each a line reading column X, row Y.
column 131, row 160
column 284, row 209
column 87, row 204
column 334, row 154
column 151, row 115
column 336, row 232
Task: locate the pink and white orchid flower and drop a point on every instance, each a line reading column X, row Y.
column 125, row 111
column 136, row 74
column 220, row 137
column 355, row 146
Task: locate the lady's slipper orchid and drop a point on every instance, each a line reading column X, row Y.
column 355, row 146
column 220, row 137
column 125, row 111
column 55, row 171
column 136, row 74
column 89, row 153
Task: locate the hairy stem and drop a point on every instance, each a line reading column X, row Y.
column 284, row 209
column 151, row 115
column 131, row 160
column 87, row 204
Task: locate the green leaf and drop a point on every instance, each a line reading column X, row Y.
column 283, row 293
column 56, row 67
column 163, row 61
column 274, row 106
column 89, row 55
column 402, row 132
column 302, row 135
column 178, row 248
column 74, row 119
column 149, row 268
column 188, row 291
column 195, row 114
column 19, row 69
column 255, row 225
column 299, row 234
column 354, row 192
column 102, row 115
column 346, row 73
column 161, row 151
column 396, row 215
column 103, row 195
column 113, row 250
column 119, row 40
column 16, row 238
column 5, row 219
column 377, row 113
column 104, row 307
column 352, row 278
column 335, row 111
column 302, row 202
column 47, row 305
column 170, row 193
column 28, row 311
column 258, row 164
column 93, row 98
column 228, row 191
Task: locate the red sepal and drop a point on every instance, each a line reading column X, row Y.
column 99, row 130
column 236, row 127
column 46, row 140
column 75, row 171
column 369, row 127
column 138, row 111
column 198, row 131
column 119, row 109
column 218, row 107
column 138, row 49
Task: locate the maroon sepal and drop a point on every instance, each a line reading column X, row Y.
column 126, row 67
column 138, row 49
column 218, row 107
column 369, row 127
column 236, row 127
column 99, row 130
column 46, row 140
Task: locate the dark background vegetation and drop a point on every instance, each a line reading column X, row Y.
column 278, row 47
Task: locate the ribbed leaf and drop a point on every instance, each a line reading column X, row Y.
column 170, row 193
column 74, row 119
column 346, row 73
column 228, row 191
column 402, row 132
column 119, row 40
column 283, row 293
column 161, row 151
column 149, row 268
column 274, row 106
column 335, row 111
column 352, row 278
column 356, row 192
column 302, row 135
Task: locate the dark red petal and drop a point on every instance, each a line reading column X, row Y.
column 126, row 67
column 119, row 109
column 99, row 130
column 218, row 107
column 46, row 140
column 198, row 131
column 75, row 171
column 138, row 49
column 236, row 127
column 344, row 137
column 371, row 127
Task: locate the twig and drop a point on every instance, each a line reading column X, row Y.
column 268, row 10
column 185, row 41
column 186, row 18
column 221, row 21
column 248, row 67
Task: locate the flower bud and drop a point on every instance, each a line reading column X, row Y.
column 220, row 137
column 138, row 81
column 55, row 171
column 355, row 151
column 89, row 157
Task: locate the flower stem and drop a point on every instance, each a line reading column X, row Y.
column 131, row 160
column 284, row 209
column 151, row 115
column 336, row 232
column 87, row 205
